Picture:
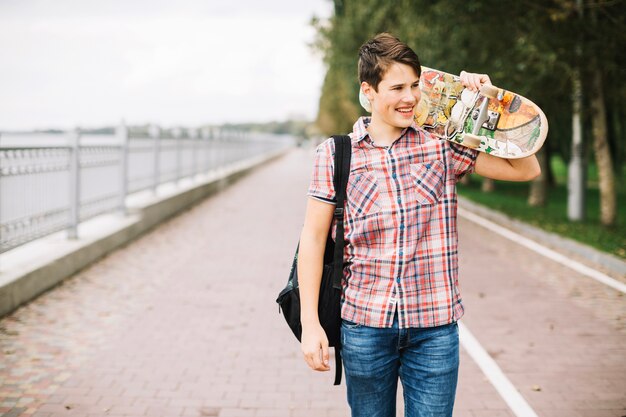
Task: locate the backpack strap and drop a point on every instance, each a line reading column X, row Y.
column 343, row 154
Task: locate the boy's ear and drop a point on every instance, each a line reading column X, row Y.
column 367, row 90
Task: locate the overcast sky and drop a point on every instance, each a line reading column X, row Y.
column 88, row 63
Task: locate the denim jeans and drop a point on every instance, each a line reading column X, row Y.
column 425, row 359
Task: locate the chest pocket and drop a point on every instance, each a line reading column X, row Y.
column 429, row 179
column 363, row 194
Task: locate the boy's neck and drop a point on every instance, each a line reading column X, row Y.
column 381, row 133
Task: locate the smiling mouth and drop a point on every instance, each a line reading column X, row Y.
column 405, row 110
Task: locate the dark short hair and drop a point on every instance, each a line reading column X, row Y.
column 379, row 53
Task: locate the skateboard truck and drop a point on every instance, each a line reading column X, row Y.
column 482, row 116
column 491, row 121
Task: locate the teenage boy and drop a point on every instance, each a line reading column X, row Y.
column 401, row 301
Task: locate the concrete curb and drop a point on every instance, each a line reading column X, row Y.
column 609, row 264
column 31, row 269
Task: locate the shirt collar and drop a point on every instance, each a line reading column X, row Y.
column 359, row 130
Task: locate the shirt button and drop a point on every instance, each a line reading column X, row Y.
column 401, row 253
column 393, row 175
column 398, row 280
column 428, row 166
column 401, row 226
column 399, row 200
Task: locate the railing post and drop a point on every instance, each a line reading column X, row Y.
column 213, row 147
column 231, row 146
column 237, row 146
column 1, row 169
column 122, row 135
column 176, row 132
column 72, row 230
column 193, row 137
column 205, row 141
column 219, row 148
column 155, row 133
column 245, row 146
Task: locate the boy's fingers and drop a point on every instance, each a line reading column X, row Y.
column 317, row 362
column 467, row 80
column 309, row 360
column 325, row 355
column 474, row 81
column 315, row 351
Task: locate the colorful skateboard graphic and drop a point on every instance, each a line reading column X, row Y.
column 495, row 121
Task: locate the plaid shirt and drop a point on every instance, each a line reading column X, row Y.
column 400, row 227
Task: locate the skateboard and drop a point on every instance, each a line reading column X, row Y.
column 492, row 120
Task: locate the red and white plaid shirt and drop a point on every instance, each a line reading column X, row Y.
column 400, row 227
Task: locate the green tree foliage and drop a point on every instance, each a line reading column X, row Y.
column 531, row 47
column 527, row 46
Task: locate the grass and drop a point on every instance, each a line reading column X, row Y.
column 510, row 198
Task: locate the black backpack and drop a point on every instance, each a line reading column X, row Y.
column 329, row 305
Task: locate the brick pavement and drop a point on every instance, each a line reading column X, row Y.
column 559, row 336
column 182, row 322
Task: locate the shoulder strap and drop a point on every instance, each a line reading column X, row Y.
column 343, row 154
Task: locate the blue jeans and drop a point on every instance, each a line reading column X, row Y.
column 425, row 359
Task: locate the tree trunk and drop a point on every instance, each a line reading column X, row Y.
column 606, row 177
column 465, row 180
column 576, row 178
column 488, row 185
column 539, row 186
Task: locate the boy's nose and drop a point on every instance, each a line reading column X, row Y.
column 411, row 98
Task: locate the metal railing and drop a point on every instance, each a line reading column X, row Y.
column 45, row 189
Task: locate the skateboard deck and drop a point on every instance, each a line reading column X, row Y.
column 492, row 120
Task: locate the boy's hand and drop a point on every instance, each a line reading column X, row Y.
column 315, row 347
column 474, row 81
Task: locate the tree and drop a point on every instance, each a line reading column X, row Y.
column 539, row 186
column 527, row 46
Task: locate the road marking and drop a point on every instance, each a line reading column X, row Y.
column 492, row 371
column 542, row 250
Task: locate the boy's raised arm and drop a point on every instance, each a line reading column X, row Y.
column 523, row 169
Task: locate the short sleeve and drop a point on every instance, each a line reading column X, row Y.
column 322, row 186
column 463, row 159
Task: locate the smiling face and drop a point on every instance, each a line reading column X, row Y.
column 394, row 102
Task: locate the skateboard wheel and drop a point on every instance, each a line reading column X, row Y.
column 421, row 111
column 489, row 91
column 471, row 141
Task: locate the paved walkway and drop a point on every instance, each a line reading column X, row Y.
column 182, row 322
